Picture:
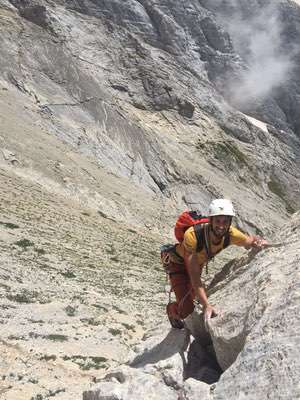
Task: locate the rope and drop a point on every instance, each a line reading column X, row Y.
column 180, row 304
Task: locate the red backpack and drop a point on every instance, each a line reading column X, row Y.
column 185, row 221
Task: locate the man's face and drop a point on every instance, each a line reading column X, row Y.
column 220, row 225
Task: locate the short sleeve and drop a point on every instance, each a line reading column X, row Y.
column 189, row 240
column 237, row 237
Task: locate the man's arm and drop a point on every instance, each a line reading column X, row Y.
column 195, row 271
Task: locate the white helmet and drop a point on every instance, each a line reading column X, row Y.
column 221, row 207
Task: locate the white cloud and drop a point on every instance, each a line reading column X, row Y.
column 257, row 38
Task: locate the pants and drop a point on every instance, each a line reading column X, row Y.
column 181, row 285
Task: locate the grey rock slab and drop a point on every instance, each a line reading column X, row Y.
column 128, row 384
column 195, row 324
column 160, row 347
column 194, row 390
column 164, row 356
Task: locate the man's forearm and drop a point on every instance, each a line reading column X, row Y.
column 195, row 274
column 201, row 295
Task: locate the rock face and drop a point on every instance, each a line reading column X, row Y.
column 255, row 336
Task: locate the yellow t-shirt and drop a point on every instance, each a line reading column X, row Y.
column 189, row 243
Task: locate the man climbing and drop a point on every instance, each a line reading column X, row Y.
column 201, row 242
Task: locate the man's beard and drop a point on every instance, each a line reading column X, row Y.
column 219, row 233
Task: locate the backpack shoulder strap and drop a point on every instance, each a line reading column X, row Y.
column 201, row 240
column 226, row 240
column 198, row 228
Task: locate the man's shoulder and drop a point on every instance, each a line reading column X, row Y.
column 237, row 236
column 189, row 239
column 189, row 233
column 233, row 230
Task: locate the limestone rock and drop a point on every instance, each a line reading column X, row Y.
column 128, row 384
column 164, row 355
column 194, row 390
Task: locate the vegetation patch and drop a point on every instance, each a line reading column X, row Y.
column 56, row 337
column 100, row 307
column 50, row 393
column 102, row 214
column 86, row 363
column 132, row 230
column 228, row 154
column 129, row 327
column 25, row 296
column 7, row 306
column 46, row 357
column 114, row 332
column 34, row 335
column 24, row 243
column 68, row 274
column 33, row 380
column 15, row 337
column 224, row 151
column 37, row 397
column 90, row 321
column 36, row 321
column 119, row 310
column 9, row 225
column 53, row 393
column 70, row 311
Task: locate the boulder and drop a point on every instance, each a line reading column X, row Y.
column 129, row 384
column 255, row 335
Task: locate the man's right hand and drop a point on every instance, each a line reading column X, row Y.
column 209, row 312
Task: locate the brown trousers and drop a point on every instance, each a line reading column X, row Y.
column 181, row 285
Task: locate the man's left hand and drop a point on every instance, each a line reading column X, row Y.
column 258, row 242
